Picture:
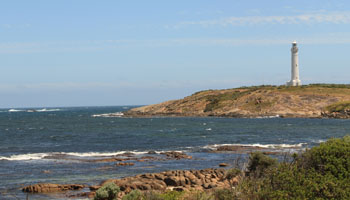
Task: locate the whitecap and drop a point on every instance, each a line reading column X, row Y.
column 257, row 145
column 117, row 114
column 29, row 156
column 62, row 155
column 48, row 110
column 268, row 117
column 14, row 110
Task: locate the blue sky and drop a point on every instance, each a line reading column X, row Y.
column 83, row 52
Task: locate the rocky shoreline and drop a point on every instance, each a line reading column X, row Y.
column 179, row 180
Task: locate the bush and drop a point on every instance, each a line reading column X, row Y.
column 171, row 195
column 322, row 172
column 197, row 195
column 259, row 163
column 224, row 194
column 133, row 195
column 108, row 191
column 233, row 172
column 152, row 195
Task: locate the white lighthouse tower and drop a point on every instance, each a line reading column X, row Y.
column 295, row 67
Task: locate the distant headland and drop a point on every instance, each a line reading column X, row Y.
column 266, row 101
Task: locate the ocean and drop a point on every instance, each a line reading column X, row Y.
column 55, row 145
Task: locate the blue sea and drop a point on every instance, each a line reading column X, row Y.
column 55, row 144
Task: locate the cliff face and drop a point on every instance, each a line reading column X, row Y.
column 305, row 101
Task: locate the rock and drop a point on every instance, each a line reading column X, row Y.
column 89, row 195
column 127, row 154
column 223, row 165
column 49, row 187
column 152, row 152
column 179, row 189
column 235, row 181
column 109, row 160
column 125, row 164
column 171, row 181
column 176, row 155
column 94, row 187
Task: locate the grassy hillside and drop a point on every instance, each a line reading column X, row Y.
column 313, row 100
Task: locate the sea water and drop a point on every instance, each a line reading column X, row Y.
column 52, row 144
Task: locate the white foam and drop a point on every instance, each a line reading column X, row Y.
column 117, row 114
column 267, row 146
column 29, row 156
column 319, row 141
column 103, row 154
column 39, row 156
column 48, row 110
column 268, row 117
column 14, row 110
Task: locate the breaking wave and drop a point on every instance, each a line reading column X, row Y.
column 265, row 146
column 117, row 114
column 14, row 110
column 48, row 110
column 63, row 155
column 34, row 110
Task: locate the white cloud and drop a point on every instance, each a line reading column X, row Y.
column 101, row 45
column 312, row 18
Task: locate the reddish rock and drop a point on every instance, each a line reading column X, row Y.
column 176, row 155
column 94, row 187
column 125, row 164
column 49, row 187
column 223, row 165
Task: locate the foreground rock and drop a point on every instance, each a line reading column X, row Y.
column 49, row 188
column 180, row 180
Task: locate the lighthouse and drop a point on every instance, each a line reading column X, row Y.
column 295, row 81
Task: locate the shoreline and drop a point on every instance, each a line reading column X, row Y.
column 173, row 180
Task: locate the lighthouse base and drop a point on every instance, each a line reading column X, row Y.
column 294, row 83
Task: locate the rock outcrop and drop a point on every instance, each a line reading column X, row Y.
column 179, row 180
column 262, row 101
column 344, row 114
column 49, row 188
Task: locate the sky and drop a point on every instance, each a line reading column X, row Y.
column 112, row 52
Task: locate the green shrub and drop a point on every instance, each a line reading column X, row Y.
column 152, row 195
column 108, row 191
column 197, row 195
column 133, row 195
column 322, row 172
column 259, row 163
column 224, row 194
column 171, row 195
column 233, row 172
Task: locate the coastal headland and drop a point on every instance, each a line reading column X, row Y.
column 308, row 101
